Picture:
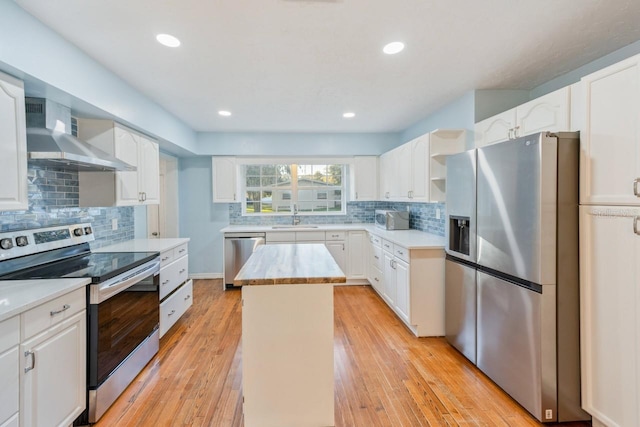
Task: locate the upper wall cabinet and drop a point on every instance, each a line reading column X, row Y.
column 122, row 188
column 404, row 171
column 224, row 179
column 550, row 112
column 13, row 145
column 610, row 141
column 442, row 142
column 364, row 179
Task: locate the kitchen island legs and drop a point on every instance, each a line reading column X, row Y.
column 287, row 355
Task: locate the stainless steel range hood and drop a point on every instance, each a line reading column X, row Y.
column 50, row 143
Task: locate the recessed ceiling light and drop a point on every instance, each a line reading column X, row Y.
column 168, row 40
column 393, row 48
column 224, row 113
column 349, row 115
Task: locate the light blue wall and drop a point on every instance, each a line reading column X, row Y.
column 54, row 68
column 296, row 144
column 575, row 75
column 200, row 218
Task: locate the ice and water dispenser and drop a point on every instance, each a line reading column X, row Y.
column 459, row 227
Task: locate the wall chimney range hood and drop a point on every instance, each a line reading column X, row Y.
column 50, row 143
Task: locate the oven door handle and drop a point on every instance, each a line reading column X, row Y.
column 106, row 290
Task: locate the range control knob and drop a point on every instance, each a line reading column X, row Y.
column 78, row 232
column 22, row 241
column 6, row 243
column 88, row 230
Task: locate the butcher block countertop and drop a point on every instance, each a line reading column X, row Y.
column 286, row 264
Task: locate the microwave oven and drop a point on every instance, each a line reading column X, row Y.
column 392, row 220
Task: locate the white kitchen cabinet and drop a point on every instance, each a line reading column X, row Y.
column 335, row 241
column 550, row 112
column 176, row 290
column 610, row 141
column 412, row 284
column 9, row 370
column 224, row 179
column 442, row 143
column 53, row 361
column 610, row 314
column 357, row 255
column 364, row 178
column 120, row 188
column 374, row 263
column 404, row 171
column 13, row 144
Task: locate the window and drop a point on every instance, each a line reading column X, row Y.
column 276, row 188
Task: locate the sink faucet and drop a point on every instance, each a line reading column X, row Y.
column 296, row 219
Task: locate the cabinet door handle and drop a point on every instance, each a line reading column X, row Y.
column 386, row 194
column 635, row 225
column 401, row 253
column 64, row 308
column 376, row 257
column 181, row 271
column 33, row 360
column 165, row 282
column 187, row 297
column 172, row 312
column 376, row 279
column 516, row 131
column 635, row 187
column 356, row 195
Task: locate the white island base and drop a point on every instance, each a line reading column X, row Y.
column 287, row 355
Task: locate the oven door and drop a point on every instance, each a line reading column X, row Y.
column 123, row 321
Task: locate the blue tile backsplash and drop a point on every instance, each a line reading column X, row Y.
column 422, row 216
column 53, row 200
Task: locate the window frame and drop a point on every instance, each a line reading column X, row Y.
column 293, row 163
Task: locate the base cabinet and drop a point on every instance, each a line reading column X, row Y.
column 411, row 282
column 176, row 291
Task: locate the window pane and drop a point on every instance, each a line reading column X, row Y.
column 252, row 170
column 251, row 207
column 268, row 181
column 269, row 170
column 253, row 196
column 253, row 181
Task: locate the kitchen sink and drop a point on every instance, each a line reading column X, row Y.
column 296, row 227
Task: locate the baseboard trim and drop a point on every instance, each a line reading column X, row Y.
column 206, row 276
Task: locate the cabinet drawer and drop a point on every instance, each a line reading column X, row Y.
column 375, row 240
column 402, row 253
column 173, row 275
column 387, row 246
column 50, row 313
column 283, row 236
column 181, row 250
column 376, row 279
column 175, row 306
column 9, row 333
column 166, row 257
column 310, row 236
column 335, row 235
column 377, row 257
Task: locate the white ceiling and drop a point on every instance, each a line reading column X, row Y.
column 297, row 65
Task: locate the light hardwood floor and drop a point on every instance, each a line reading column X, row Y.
column 384, row 376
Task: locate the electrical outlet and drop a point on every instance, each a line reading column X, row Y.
column 437, row 213
column 114, row 224
column 548, row 414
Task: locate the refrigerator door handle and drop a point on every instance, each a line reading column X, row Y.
column 635, row 225
column 635, row 187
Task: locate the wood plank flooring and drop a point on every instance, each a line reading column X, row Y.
column 384, row 376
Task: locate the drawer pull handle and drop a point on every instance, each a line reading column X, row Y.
column 181, row 250
column 64, row 308
column 401, row 253
column 182, row 271
column 172, row 312
column 376, row 279
column 33, row 360
column 165, row 282
column 187, row 297
column 376, row 257
column 164, row 258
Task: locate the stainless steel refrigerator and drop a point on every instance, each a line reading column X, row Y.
column 526, row 264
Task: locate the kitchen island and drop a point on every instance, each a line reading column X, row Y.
column 287, row 335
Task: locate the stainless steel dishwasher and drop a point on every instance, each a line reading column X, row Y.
column 238, row 247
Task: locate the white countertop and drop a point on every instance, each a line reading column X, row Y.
column 144, row 245
column 410, row 239
column 17, row 296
